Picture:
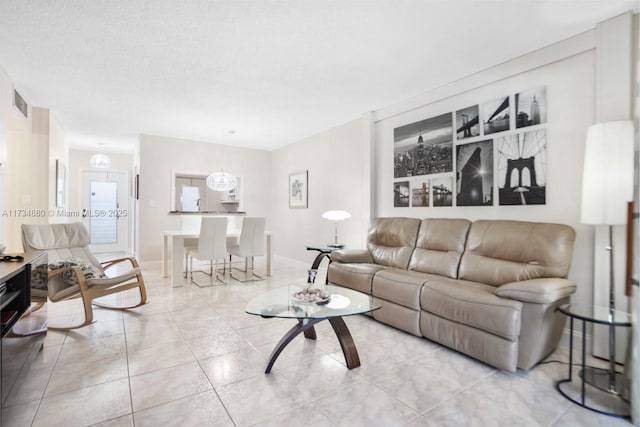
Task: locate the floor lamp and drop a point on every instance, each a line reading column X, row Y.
column 607, row 186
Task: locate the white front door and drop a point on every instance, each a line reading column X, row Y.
column 105, row 210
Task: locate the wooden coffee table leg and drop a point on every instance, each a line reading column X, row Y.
column 346, row 342
column 310, row 333
column 305, row 326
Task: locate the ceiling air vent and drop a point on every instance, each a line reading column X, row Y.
column 20, row 103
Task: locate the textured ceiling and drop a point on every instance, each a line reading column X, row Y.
column 272, row 71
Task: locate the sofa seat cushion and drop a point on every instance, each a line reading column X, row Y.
column 355, row 276
column 399, row 286
column 472, row 304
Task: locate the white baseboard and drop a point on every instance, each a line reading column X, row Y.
column 151, row 264
column 290, row 262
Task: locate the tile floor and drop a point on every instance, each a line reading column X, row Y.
column 192, row 357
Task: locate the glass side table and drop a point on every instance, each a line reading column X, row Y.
column 324, row 252
column 608, row 382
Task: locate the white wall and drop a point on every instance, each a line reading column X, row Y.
column 160, row 155
column 15, row 180
column 6, row 92
column 633, row 372
column 27, row 173
column 567, row 70
column 28, row 149
column 336, row 165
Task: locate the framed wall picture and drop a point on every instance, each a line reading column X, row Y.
column 531, row 107
column 522, row 168
column 61, row 180
column 496, row 115
column 420, row 193
column 467, row 122
column 298, row 190
column 424, row 147
column 442, row 191
column 401, row 194
column 474, row 174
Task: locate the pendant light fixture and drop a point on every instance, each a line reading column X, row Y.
column 100, row 161
column 221, row 181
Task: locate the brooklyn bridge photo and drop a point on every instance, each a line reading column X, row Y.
column 467, row 122
column 522, row 168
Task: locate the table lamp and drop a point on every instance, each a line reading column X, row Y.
column 607, row 186
column 336, row 216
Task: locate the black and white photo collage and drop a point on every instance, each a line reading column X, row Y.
column 458, row 158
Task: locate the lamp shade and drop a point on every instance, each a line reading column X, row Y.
column 336, row 215
column 607, row 183
column 221, row 181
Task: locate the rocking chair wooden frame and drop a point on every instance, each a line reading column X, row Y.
column 71, row 240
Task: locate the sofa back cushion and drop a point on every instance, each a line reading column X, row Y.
column 391, row 240
column 499, row 252
column 439, row 246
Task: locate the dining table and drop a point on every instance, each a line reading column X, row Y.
column 173, row 253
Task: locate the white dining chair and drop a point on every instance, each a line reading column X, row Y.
column 212, row 246
column 249, row 245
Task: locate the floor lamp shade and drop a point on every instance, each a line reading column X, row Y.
column 607, row 183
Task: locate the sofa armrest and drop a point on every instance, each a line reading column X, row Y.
column 537, row 291
column 348, row 256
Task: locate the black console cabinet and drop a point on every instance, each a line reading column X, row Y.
column 15, row 299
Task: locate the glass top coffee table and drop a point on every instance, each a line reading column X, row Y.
column 281, row 303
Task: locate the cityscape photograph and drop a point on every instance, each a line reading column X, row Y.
column 496, row 115
column 467, row 122
column 442, row 191
column 531, row 107
column 424, row 147
column 474, row 174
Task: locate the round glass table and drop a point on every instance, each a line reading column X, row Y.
column 604, row 380
column 323, row 252
column 280, row 303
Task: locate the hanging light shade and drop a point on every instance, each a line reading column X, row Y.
column 221, row 181
column 100, row 161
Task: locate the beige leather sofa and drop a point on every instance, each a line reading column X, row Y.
column 487, row 288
